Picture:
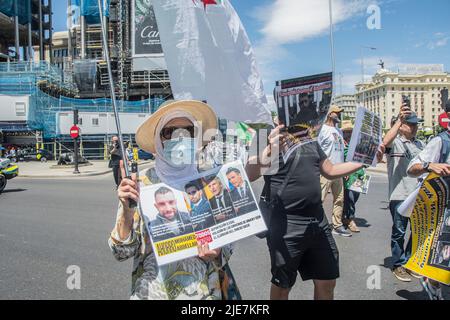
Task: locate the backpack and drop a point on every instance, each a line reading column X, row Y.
column 445, row 151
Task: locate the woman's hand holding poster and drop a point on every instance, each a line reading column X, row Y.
column 217, row 207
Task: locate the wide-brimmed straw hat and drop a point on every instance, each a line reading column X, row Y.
column 201, row 112
column 334, row 108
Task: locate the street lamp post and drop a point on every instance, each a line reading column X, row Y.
column 333, row 58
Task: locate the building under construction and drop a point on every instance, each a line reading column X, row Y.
column 135, row 50
column 24, row 24
column 70, row 72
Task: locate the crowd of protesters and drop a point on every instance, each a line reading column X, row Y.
column 299, row 238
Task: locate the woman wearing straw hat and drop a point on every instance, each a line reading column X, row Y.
column 176, row 124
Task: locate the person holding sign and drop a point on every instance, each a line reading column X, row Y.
column 350, row 196
column 434, row 158
column 401, row 147
column 299, row 236
column 332, row 143
column 174, row 134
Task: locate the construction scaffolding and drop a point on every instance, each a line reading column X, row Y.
column 37, row 80
column 129, row 84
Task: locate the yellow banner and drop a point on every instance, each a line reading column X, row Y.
column 430, row 225
column 177, row 244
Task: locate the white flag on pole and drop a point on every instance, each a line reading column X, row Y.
column 209, row 57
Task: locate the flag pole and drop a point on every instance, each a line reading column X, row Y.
column 111, row 86
column 333, row 58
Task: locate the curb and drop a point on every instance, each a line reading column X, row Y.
column 144, row 165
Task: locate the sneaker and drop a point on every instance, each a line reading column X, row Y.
column 401, row 274
column 413, row 274
column 353, row 227
column 434, row 292
column 342, row 232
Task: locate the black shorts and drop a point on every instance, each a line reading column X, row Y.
column 303, row 245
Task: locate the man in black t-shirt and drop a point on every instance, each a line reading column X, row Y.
column 299, row 236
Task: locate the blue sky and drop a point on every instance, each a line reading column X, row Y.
column 291, row 38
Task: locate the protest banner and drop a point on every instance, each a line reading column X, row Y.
column 361, row 185
column 303, row 104
column 366, row 138
column 210, row 58
column 217, row 207
column 430, row 225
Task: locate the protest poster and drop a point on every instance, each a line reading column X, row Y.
column 366, row 138
column 217, row 207
column 430, row 226
column 303, row 105
column 361, row 185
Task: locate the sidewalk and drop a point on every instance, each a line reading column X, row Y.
column 35, row 169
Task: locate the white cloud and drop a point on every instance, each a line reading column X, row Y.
column 438, row 43
column 347, row 83
column 288, row 21
column 293, row 21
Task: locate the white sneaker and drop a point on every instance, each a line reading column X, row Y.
column 434, row 293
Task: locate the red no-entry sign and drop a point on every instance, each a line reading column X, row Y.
column 443, row 120
column 74, row 132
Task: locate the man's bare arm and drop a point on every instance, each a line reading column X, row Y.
column 332, row 172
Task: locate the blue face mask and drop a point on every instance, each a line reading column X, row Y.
column 180, row 151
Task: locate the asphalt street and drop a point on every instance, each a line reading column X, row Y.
column 47, row 225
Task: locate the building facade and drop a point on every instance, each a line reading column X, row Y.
column 422, row 84
column 348, row 102
column 24, row 24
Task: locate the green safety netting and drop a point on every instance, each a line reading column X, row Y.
column 23, row 9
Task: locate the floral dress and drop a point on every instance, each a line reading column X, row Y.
column 188, row 279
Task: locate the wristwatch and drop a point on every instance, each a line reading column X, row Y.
column 426, row 166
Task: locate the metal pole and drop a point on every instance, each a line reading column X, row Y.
column 75, row 143
column 363, row 81
column 149, row 93
column 50, row 30
column 16, row 30
column 69, row 36
column 111, row 86
column 83, row 37
column 30, row 44
column 333, row 58
column 41, row 34
column 362, row 77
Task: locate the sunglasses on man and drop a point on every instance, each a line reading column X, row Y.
column 167, row 132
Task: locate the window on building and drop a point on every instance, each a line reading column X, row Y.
column 95, row 122
column 20, row 109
